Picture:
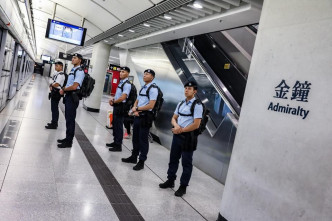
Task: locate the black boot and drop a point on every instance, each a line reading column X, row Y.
column 116, row 148
column 111, row 144
column 139, row 165
column 66, row 144
column 62, row 140
column 51, row 126
column 181, row 191
column 131, row 159
column 167, row 184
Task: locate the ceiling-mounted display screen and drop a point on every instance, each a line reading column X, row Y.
column 64, row 32
column 45, row 58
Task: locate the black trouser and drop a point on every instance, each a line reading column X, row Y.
column 118, row 129
column 175, row 155
column 127, row 121
column 140, row 139
column 55, row 109
column 70, row 114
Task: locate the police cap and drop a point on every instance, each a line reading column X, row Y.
column 125, row 69
column 150, row 71
column 59, row 63
column 191, row 84
column 78, row 55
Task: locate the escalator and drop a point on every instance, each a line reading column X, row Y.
column 218, row 61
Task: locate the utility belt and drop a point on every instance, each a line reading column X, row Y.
column 146, row 118
column 118, row 109
column 74, row 95
column 189, row 140
column 54, row 94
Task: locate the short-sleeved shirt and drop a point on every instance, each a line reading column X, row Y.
column 126, row 90
column 78, row 78
column 144, row 100
column 184, row 121
column 59, row 77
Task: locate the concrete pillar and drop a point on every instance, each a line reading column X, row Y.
column 99, row 62
column 281, row 166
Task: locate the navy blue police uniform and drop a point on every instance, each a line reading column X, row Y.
column 142, row 125
column 124, row 87
column 184, row 144
column 71, row 101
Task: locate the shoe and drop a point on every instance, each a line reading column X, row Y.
column 181, row 191
column 131, row 159
column 65, row 145
column 117, row 148
column 139, row 165
column 126, row 136
column 167, row 184
column 51, row 126
column 110, row 144
column 62, row 140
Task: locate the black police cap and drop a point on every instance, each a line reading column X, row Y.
column 78, row 55
column 151, row 72
column 59, row 63
column 191, row 84
column 125, row 69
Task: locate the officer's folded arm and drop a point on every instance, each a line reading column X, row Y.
column 71, row 88
column 121, row 98
column 149, row 106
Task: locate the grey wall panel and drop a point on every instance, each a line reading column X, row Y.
column 213, row 154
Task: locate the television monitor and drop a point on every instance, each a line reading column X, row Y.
column 46, row 58
column 60, row 31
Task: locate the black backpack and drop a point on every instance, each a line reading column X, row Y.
column 87, row 86
column 159, row 101
column 66, row 79
column 131, row 97
column 205, row 116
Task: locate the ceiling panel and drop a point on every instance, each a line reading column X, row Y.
column 91, row 11
column 124, row 9
column 91, row 29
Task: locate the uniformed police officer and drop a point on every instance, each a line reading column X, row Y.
column 122, row 93
column 142, row 110
column 57, row 82
column 184, row 141
column 71, row 99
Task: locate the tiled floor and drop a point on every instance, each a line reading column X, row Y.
column 42, row 182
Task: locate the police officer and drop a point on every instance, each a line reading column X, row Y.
column 184, row 140
column 71, row 99
column 55, row 86
column 142, row 111
column 122, row 93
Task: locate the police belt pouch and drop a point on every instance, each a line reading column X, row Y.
column 118, row 109
column 190, row 141
column 146, row 118
column 54, row 94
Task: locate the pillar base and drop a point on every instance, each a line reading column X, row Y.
column 90, row 109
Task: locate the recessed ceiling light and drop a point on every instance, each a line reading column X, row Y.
column 214, row 46
column 167, row 17
column 120, row 35
column 105, row 40
column 197, row 5
column 146, row 25
column 132, row 31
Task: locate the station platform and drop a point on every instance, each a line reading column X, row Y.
column 39, row 181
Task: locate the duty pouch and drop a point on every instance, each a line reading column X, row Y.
column 118, row 109
column 75, row 97
column 146, row 118
column 49, row 95
column 190, row 143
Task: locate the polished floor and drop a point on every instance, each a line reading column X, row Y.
column 38, row 181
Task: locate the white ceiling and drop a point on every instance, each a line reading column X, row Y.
column 99, row 15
